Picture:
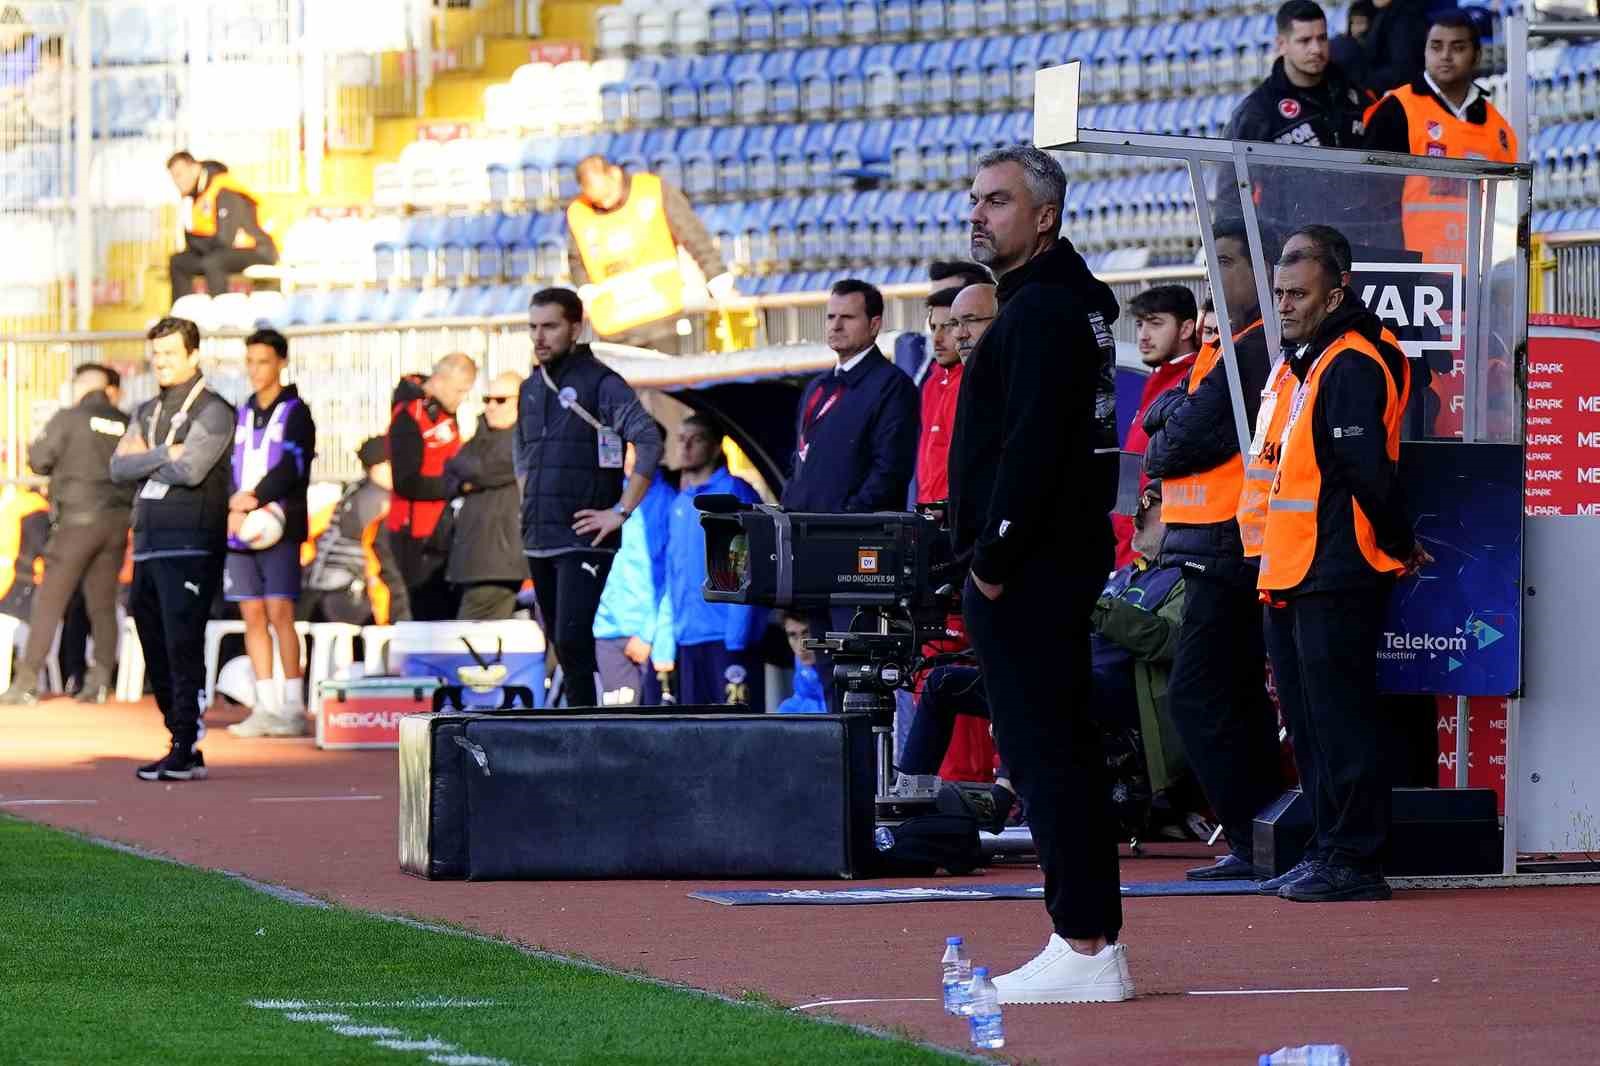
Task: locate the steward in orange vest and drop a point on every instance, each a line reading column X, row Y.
column 1216, row 697
column 1336, row 535
column 625, row 234
column 224, row 235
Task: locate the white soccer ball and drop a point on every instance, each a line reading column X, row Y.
column 262, row 528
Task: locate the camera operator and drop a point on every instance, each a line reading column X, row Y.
column 1034, row 414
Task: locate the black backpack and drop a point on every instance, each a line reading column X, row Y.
column 928, row 843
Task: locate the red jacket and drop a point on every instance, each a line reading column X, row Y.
column 423, row 436
column 1162, row 378
column 940, row 391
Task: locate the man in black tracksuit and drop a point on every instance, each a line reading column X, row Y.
column 1217, row 696
column 89, row 519
column 1031, row 491
column 486, row 562
column 574, row 417
column 224, row 234
column 176, row 454
column 1307, row 101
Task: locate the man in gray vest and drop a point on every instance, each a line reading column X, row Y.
column 175, row 453
column 575, row 417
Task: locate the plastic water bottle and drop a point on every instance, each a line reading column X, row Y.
column 1308, row 1055
column 955, row 975
column 988, row 1031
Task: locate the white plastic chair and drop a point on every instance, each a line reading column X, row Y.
column 130, row 664
column 216, row 630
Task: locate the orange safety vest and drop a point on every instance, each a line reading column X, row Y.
column 1289, row 540
column 203, row 210
column 377, row 591
column 15, row 507
column 1262, row 467
column 317, row 526
column 1210, row 496
column 630, row 257
column 1434, row 210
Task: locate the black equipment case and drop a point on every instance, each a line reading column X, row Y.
column 641, row 795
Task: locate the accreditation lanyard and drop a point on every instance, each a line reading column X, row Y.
column 609, row 442
column 1301, row 392
column 178, row 418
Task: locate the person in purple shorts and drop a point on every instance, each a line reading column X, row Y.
column 274, row 442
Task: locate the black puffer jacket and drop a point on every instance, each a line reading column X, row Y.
column 1033, row 460
column 1395, row 44
column 1194, row 432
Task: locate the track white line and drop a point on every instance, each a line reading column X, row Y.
column 47, row 803
column 1296, row 991
column 847, row 1002
column 310, row 799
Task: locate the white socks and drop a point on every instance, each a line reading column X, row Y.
column 294, row 704
column 267, row 701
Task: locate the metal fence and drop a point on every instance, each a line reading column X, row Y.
column 1570, row 274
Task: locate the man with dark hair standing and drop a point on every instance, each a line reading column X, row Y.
column 273, row 446
column 944, row 276
column 423, row 437
column 575, row 417
column 1394, row 45
column 1346, row 49
column 941, row 388
column 1030, row 496
column 1336, row 535
column 175, row 454
column 224, row 235
column 718, row 643
column 1167, row 332
column 956, row 274
column 1218, row 697
column 89, row 533
column 856, row 440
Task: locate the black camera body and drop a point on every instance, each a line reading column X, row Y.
column 765, row 556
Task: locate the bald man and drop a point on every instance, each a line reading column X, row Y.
column 423, row 437
column 976, row 306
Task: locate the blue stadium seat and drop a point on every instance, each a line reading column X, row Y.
column 845, row 151
column 1130, row 58
column 827, row 20
column 483, row 233
column 757, row 172
column 961, row 18
column 861, row 20
column 1026, row 60
column 928, row 19
column 614, row 103
column 537, row 165
column 550, row 246
column 494, row 259
column 873, row 148
column 905, row 151
column 895, row 18
column 806, row 231
column 818, row 150
column 568, row 152
column 627, row 150
column 1082, row 11
column 301, row 303
column 890, row 212
column 681, row 102
column 510, row 300
column 849, row 88
column 755, row 236
column 793, row 22
column 723, row 21
column 993, row 130
column 855, row 233
column 994, row 63
column 749, row 85
column 454, row 243
column 661, row 151
column 959, row 146
column 789, row 149
column 424, row 235
column 993, row 16
column 781, row 223
column 757, row 23
column 931, row 155
column 783, row 89
column 908, row 75
column 1025, row 15
column 878, row 72
column 1083, row 44
column 830, row 239
column 696, row 162
column 716, row 87
column 1053, row 12
column 644, row 91
column 816, row 87
column 1020, row 129
column 936, row 80
column 1159, row 58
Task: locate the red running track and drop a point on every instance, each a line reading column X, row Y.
column 1490, row 976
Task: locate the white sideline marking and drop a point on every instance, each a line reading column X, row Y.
column 310, row 799
column 846, row 1002
column 423, row 1003
column 366, row 1030
column 430, row 1043
column 1297, row 991
column 47, row 803
column 316, row 1016
column 388, row 1037
column 467, row 1060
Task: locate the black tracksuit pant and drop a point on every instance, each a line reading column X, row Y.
column 1324, row 648
column 568, row 589
column 1217, row 698
column 87, row 553
column 1033, row 647
column 432, row 597
column 215, row 267
column 171, row 602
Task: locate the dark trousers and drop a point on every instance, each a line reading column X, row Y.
column 568, row 589
column 622, row 681
column 215, row 267
column 948, row 691
column 433, row 599
column 171, row 603
column 1324, row 650
column 708, row 673
column 73, row 652
column 488, row 601
column 1033, row 648
column 91, row 554
column 1217, row 699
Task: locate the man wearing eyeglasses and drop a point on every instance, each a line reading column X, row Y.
column 975, row 307
column 486, row 563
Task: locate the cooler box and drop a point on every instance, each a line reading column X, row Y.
column 439, row 650
column 583, row 796
column 366, row 712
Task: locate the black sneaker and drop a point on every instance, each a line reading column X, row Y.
column 20, row 694
column 1301, row 869
column 1330, row 883
column 1231, row 867
column 175, row 766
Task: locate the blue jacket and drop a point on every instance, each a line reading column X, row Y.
column 808, row 697
column 860, row 454
column 694, row 621
column 635, row 601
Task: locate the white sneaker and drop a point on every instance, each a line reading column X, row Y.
column 286, row 725
column 1060, row 975
column 258, row 724
column 1125, row 973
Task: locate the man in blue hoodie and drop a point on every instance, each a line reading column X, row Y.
column 633, row 627
column 718, row 643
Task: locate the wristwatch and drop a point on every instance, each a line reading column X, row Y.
column 622, row 510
